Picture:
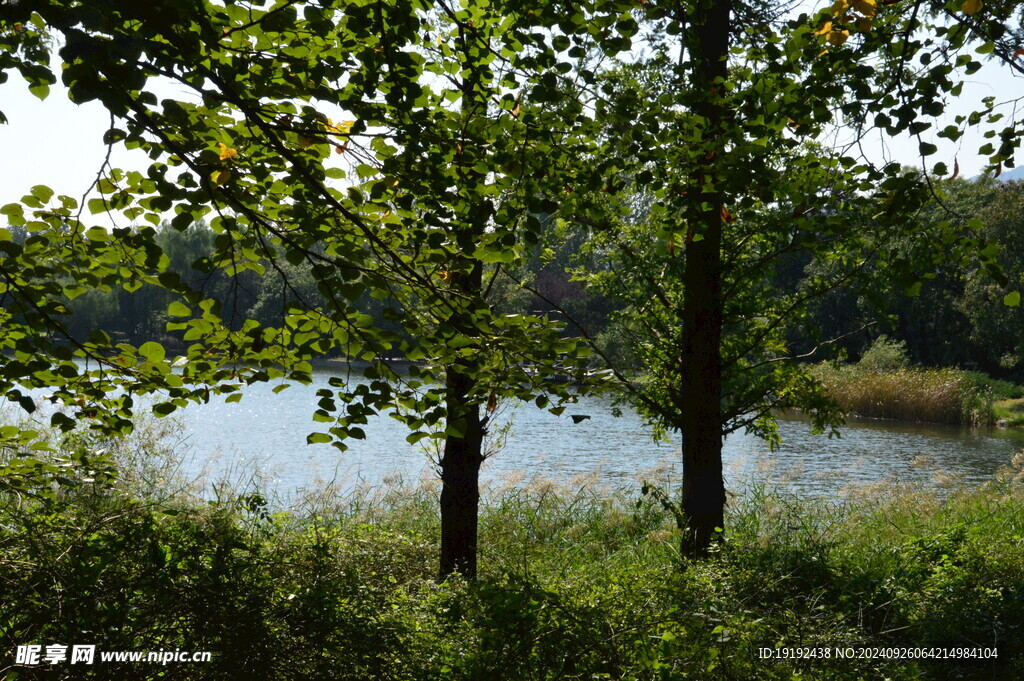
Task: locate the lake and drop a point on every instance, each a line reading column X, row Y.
column 267, row 431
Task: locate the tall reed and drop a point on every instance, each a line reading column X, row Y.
column 909, row 394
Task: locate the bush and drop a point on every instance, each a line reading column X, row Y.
column 885, row 354
column 1000, row 389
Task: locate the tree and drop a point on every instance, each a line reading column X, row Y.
column 390, row 149
column 721, row 124
column 982, row 300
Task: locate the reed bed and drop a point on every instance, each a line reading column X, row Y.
column 910, row 394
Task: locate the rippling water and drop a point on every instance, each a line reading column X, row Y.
column 268, row 432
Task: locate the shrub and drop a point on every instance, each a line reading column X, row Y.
column 885, row 354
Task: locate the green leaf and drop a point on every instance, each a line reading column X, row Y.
column 178, row 309
column 1012, row 299
column 26, row 402
column 97, row 205
column 62, row 421
column 40, row 90
column 164, row 408
column 154, row 352
column 13, row 210
column 97, row 234
column 42, row 192
column 318, row 438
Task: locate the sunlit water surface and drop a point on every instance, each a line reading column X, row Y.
column 266, row 433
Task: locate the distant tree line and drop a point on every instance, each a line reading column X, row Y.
column 956, row 318
column 141, row 315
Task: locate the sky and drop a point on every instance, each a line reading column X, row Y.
column 58, row 144
column 53, row 142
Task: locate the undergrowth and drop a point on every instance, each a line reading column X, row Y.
column 575, row 584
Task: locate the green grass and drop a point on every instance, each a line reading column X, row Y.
column 1000, row 389
column 575, row 584
column 1010, row 412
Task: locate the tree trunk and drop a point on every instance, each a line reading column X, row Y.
column 703, row 502
column 463, row 449
column 460, row 471
column 463, row 446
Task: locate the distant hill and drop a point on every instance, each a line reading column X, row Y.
column 1015, row 174
column 1007, row 175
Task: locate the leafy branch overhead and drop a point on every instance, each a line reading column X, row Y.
column 372, row 204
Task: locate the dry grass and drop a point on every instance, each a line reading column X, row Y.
column 909, row 394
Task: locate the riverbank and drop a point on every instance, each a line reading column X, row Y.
column 1009, row 413
column 575, row 584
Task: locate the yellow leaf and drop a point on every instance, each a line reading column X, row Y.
column 219, row 177
column 863, row 24
column 971, row 6
column 839, row 7
column 342, row 128
column 825, row 28
column 865, row 7
column 838, row 37
column 225, row 151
